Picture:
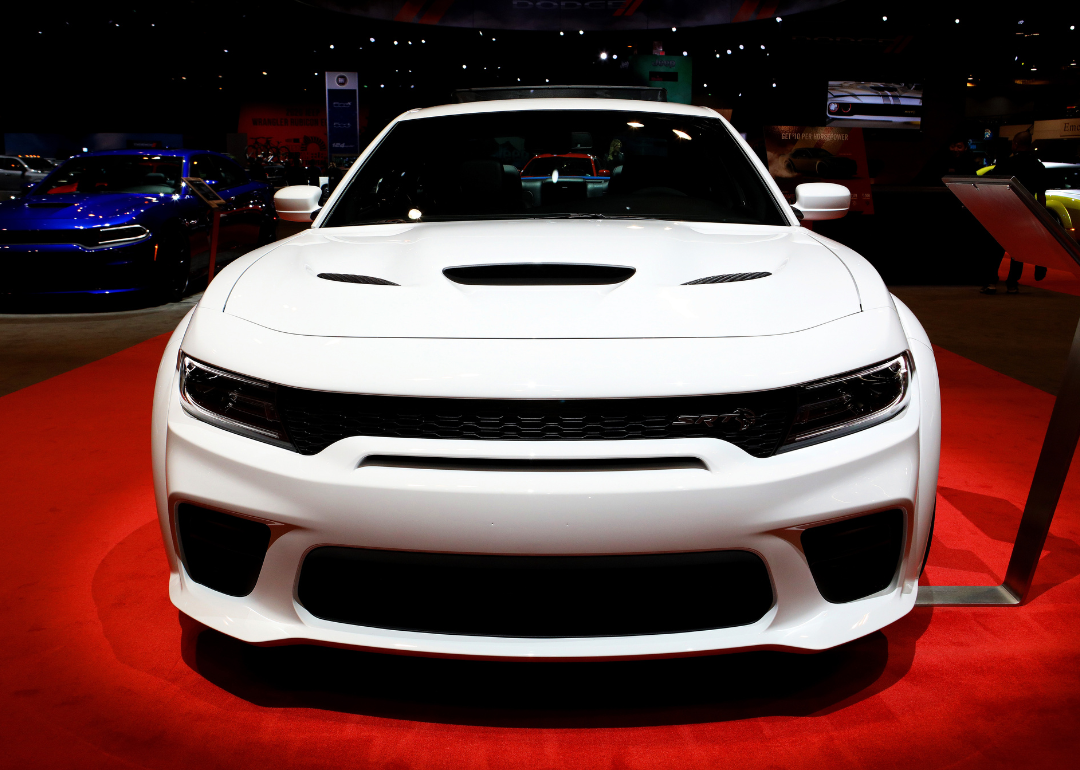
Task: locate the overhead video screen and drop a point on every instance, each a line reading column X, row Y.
column 869, row 104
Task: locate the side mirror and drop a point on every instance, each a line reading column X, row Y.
column 299, row 203
column 603, row 172
column 822, row 200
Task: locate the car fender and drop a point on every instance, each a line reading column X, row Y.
column 929, row 436
column 1062, row 211
column 167, row 373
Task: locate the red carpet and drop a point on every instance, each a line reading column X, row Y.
column 98, row 672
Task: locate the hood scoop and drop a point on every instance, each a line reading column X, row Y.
column 538, row 274
column 727, row 278
column 48, row 205
column 350, row 278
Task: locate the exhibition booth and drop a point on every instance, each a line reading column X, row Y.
column 446, row 384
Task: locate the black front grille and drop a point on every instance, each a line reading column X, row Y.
column 87, row 237
column 754, row 422
column 535, row 596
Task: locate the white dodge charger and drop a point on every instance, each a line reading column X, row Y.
column 638, row 411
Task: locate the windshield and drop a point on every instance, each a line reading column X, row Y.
column 1063, row 178
column 115, row 173
column 459, row 167
column 38, row 164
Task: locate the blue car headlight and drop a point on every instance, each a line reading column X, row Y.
column 115, row 236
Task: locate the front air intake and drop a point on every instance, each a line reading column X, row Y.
column 535, row 596
column 539, row 274
column 727, row 278
column 221, row 551
column 857, row 557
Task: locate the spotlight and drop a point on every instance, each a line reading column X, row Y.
column 778, row 18
column 603, row 55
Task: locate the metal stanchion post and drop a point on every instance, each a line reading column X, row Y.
column 1021, row 225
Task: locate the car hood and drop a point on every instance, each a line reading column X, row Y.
column 808, row 285
column 74, row 209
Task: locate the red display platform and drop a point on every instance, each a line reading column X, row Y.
column 98, row 671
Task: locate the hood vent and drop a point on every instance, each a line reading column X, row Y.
column 539, row 274
column 350, row 278
column 728, row 278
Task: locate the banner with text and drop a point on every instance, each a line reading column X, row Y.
column 276, row 133
column 799, row 154
column 342, row 114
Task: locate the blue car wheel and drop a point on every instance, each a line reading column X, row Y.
column 174, row 267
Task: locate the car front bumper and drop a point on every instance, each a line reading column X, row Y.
column 736, row 502
column 71, row 269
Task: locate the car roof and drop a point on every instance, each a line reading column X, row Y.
column 521, row 105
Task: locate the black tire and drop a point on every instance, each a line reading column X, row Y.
column 929, row 540
column 173, row 267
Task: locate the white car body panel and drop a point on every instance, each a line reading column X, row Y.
column 285, row 294
column 824, row 311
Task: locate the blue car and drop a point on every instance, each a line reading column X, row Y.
column 124, row 221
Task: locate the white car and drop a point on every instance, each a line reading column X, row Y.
column 459, row 417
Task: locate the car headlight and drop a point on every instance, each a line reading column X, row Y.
column 233, row 402
column 111, row 236
column 850, row 402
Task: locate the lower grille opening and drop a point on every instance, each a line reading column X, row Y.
column 220, row 551
column 495, row 464
column 535, row 596
column 857, row 557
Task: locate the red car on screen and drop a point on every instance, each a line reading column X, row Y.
column 570, row 164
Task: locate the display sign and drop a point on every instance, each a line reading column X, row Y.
column 670, row 72
column 866, row 104
column 277, row 133
column 1065, row 128
column 204, row 192
column 342, row 114
column 799, row 154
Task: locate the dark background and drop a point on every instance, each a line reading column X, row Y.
column 186, row 67
column 110, row 66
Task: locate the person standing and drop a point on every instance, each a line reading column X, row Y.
column 1025, row 165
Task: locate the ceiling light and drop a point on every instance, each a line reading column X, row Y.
column 635, row 124
column 778, row 18
column 603, row 55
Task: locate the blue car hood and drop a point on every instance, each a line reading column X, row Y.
column 75, row 210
